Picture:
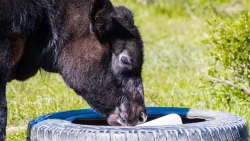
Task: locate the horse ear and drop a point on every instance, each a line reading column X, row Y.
column 125, row 19
column 101, row 17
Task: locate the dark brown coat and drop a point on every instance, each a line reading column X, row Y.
column 94, row 46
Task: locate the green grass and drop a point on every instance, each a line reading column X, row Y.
column 175, row 63
column 44, row 93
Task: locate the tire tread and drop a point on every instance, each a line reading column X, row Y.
column 46, row 128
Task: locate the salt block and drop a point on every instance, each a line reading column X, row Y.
column 171, row 119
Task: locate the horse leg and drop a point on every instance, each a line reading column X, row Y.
column 3, row 112
column 5, row 70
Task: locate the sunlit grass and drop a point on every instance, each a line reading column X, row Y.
column 175, row 63
column 44, row 93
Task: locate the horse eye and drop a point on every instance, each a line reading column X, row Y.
column 125, row 60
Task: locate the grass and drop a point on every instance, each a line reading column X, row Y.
column 175, row 63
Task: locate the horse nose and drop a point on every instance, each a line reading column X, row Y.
column 142, row 117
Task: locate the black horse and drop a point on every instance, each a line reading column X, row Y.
column 94, row 45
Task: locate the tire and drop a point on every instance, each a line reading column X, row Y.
column 199, row 125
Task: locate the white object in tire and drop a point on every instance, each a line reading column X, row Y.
column 171, row 119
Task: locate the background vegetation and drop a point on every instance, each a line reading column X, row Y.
column 181, row 58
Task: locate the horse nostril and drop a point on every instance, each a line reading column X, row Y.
column 138, row 83
column 142, row 117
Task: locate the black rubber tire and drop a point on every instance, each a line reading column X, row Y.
column 219, row 126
